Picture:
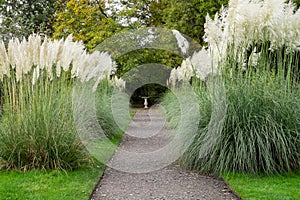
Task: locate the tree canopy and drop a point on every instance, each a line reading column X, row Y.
column 188, row 17
column 20, row 18
column 86, row 20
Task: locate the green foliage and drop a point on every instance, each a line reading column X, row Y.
column 262, row 126
column 146, row 69
column 261, row 131
column 136, row 58
column 86, row 20
column 20, row 18
column 188, row 17
column 37, row 126
column 55, row 184
column 172, row 109
column 131, row 51
column 104, row 110
column 37, row 129
column 297, row 2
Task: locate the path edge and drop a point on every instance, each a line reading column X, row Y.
column 107, row 167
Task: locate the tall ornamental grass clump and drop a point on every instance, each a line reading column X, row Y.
column 261, row 131
column 37, row 126
column 259, row 66
column 172, row 108
column 110, row 92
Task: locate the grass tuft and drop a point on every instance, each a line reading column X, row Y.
column 37, row 128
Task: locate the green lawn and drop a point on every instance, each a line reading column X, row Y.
column 281, row 187
column 49, row 185
column 54, row 185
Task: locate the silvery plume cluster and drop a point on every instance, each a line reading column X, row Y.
column 36, row 55
column 246, row 24
column 198, row 65
column 118, row 82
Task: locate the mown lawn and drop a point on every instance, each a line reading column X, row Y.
column 66, row 185
column 54, row 185
column 275, row 187
column 49, row 185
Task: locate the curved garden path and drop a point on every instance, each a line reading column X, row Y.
column 169, row 183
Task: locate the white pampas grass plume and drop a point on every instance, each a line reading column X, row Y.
column 36, row 74
column 172, row 80
column 182, row 42
column 246, row 23
column 202, row 64
column 99, row 65
column 79, row 64
column 34, row 41
column 4, row 61
column 118, row 82
column 12, row 50
column 66, row 55
column 43, row 54
column 37, row 57
column 25, row 57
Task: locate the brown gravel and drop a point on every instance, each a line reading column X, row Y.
column 168, row 183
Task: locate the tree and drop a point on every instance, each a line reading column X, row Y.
column 20, row 18
column 188, row 17
column 143, row 56
column 86, row 20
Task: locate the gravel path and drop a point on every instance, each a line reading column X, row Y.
column 149, row 132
